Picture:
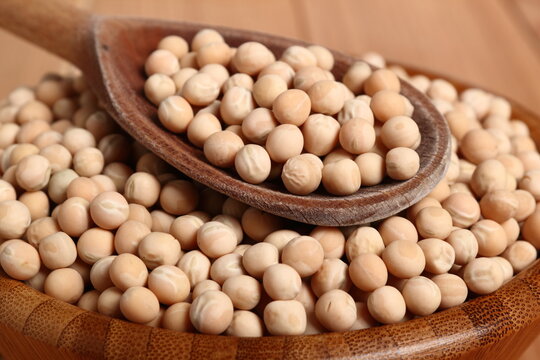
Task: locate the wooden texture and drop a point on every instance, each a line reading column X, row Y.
column 112, row 52
column 496, row 326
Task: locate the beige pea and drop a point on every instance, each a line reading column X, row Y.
column 95, row 244
column 530, row 229
column 307, row 76
column 463, row 209
column 425, row 202
column 141, row 214
column 368, row 272
column 161, row 61
column 530, row 182
column 355, row 108
column 169, row 284
column 201, row 127
column 284, row 142
column 109, row 302
column 245, row 324
column 258, row 124
column 127, row 270
column 267, row 88
column 244, row 291
column 397, row 228
column 216, row 239
column 422, row 296
column 491, row 237
column 372, row 168
column 30, row 130
column 200, row 89
column 89, row 300
column 57, row 251
column 142, row 188
column 211, row 312
column 404, row 259
column 158, row 248
column 356, row 76
column 439, row 255
column 292, row 107
column 321, row 134
column 140, row 305
column 325, row 59
column 33, row 172
column 221, row 148
column 161, row 221
column 41, row 228
column 37, row 203
column 238, row 79
column 499, row 205
column 76, row 139
column 333, row 274
column 298, row 57
column 258, row 224
column 252, row 163
column 488, row 176
column 225, row 267
column 129, row 235
column 176, row 317
column 465, row 245
column 364, row 240
column 34, row 110
column 305, row 254
column 341, row 177
column 88, row 162
column 520, row 254
column 402, row 163
column 483, row 275
column 326, row 97
column 109, row 210
column 331, row 239
column 282, row 69
column 236, row 104
column 158, row 87
column 434, row 222
column 251, row 57
column 452, row 288
column 357, row 136
column 382, row 79
column 259, row 257
column 65, row 285
column 175, row 113
column 302, row 175
column 336, row 310
column 217, row 52
column 400, row 131
column 203, row 286
column 180, row 77
column 386, row 305
column 19, row 260
column 285, row 317
column 99, row 274
column 58, row 155
column 196, row 266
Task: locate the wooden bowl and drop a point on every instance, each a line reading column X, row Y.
column 496, row 326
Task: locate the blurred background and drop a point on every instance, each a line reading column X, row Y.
column 493, row 44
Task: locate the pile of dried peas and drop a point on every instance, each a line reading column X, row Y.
column 294, row 122
column 90, row 217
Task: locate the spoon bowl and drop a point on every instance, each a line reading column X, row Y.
column 111, row 52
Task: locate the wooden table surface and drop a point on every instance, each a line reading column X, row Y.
column 492, row 43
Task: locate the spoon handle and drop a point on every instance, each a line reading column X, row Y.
column 51, row 24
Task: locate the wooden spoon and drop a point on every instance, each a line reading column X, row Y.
column 111, row 52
